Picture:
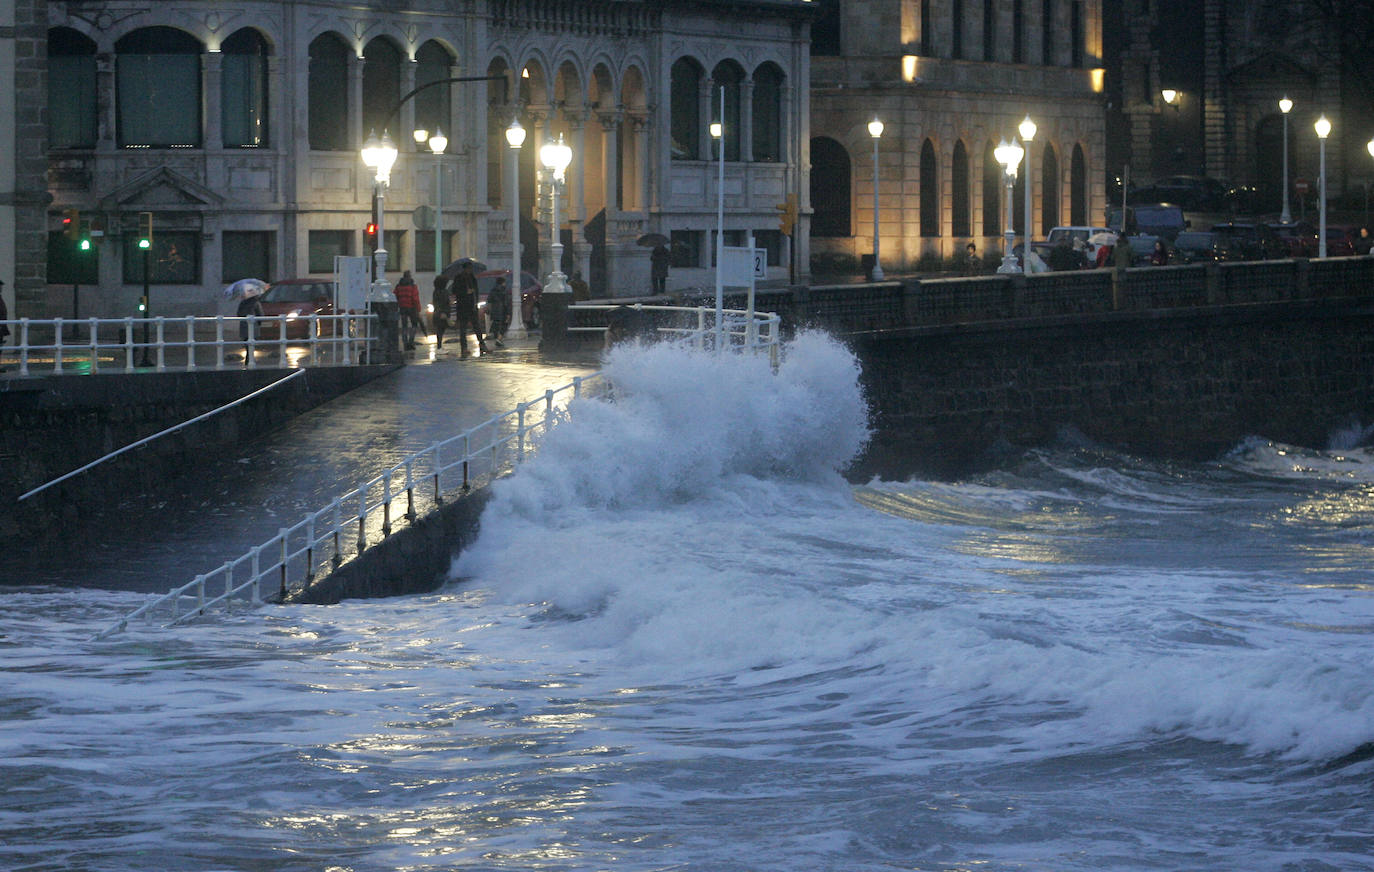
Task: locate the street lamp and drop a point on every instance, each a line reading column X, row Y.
column 1170, row 95
column 1009, row 154
column 718, row 134
column 1285, row 106
column 515, row 137
column 380, row 156
column 437, row 142
column 1027, row 131
column 875, row 130
column 1323, row 128
column 555, row 156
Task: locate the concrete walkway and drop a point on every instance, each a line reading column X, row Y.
column 240, row 499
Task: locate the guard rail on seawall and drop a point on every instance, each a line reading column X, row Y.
column 364, row 515
column 57, row 347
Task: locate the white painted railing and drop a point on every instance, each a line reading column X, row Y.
column 93, row 345
column 696, row 325
column 363, row 515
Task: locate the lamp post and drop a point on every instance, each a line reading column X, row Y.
column 555, row 156
column 1027, row 131
column 437, row 142
column 718, row 134
column 380, row 156
column 1323, row 128
column 515, row 137
column 1369, row 146
column 1285, row 106
column 1009, row 154
column 875, row 130
column 1170, row 96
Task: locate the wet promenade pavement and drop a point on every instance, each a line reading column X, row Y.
column 238, row 499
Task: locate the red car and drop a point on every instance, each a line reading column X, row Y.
column 297, row 298
column 1342, row 239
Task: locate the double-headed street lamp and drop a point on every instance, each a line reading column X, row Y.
column 555, row 156
column 515, row 137
column 875, row 130
column 437, row 142
column 1323, row 128
column 1285, row 106
column 1009, row 154
column 380, row 156
column 1027, row 131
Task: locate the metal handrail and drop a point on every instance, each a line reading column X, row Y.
column 454, row 463
column 107, row 340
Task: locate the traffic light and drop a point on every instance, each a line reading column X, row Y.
column 143, row 303
column 71, row 223
column 83, row 237
column 145, row 230
column 371, row 231
column 787, row 215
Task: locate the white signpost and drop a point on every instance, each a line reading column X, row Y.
column 351, row 278
column 740, row 268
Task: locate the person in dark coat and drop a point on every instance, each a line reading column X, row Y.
column 250, row 307
column 658, row 268
column 1062, row 257
column 465, row 292
column 4, row 316
column 408, row 301
column 1160, row 255
column 498, row 311
column 441, row 300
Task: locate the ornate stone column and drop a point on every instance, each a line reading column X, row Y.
column 211, row 72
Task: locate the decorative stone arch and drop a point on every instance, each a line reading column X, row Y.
column 1051, row 185
column 687, row 93
column 929, row 188
column 383, row 57
column 768, row 121
column 331, row 87
column 160, row 100
column 961, row 192
column 1078, row 187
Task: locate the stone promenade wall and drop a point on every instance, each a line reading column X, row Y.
column 51, row 426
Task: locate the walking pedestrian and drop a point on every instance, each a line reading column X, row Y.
column 658, row 268
column 440, row 302
column 973, row 264
column 465, row 293
column 580, row 291
column 408, row 301
column 249, row 309
column 4, row 316
column 498, row 312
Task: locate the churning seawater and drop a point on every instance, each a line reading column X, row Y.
column 683, row 642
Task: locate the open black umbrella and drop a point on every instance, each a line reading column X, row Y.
column 452, row 269
column 652, row 240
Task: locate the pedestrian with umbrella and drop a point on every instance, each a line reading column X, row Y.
column 465, row 291
column 439, row 306
column 249, row 294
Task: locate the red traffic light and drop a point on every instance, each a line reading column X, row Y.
column 371, row 228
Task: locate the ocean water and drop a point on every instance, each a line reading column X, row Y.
column 683, row 641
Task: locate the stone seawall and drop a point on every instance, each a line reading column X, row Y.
column 51, row 426
column 1169, row 382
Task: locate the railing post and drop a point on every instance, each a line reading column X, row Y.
column 410, row 489
column 520, row 432
column 281, row 340
column 577, row 386
column 309, row 548
column 190, row 344
column 95, row 345
column 362, row 518
column 23, row 346
column 219, row 342
column 57, row 347
column 386, row 503
column 338, row 528
column 128, row 344
column 251, row 351
column 160, row 327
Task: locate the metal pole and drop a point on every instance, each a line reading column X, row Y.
column 877, row 268
column 1285, row 216
column 1026, row 233
column 1321, row 183
column 438, row 213
column 144, row 360
column 720, row 224
column 517, row 320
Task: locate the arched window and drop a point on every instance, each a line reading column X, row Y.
column 381, row 85
column 830, row 186
column 243, row 90
column 962, row 216
column 157, row 82
column 329, row 94
column 825, row 31
column 432, row 106
column 71, row 90
column 956, row 14
column 1078, row 188
column 729, row 76
column 1018, row 32
column 686, row 120
column 930, row 191
column 768, row 113
column 1047, row 33
column 1049, row 190
column 992, row 192
column 989, row 31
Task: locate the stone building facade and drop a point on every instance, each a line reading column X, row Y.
column 1230, row 62
column 950, row 79
column 23, row 190
column 239, row 128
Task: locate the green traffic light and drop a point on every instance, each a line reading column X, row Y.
column 85, row 245
column 143, row 243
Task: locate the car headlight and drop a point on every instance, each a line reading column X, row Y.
column 430, row 308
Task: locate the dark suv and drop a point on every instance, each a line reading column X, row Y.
column 1252, row 241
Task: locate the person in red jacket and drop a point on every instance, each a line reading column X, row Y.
column 408, row 299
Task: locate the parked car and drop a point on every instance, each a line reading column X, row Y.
column 1252, row 241
column 1199, row 246
column 296, row 299
column 1072, row 232
column 1299, row 236
column 1341, row 240
column 1164, row 220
